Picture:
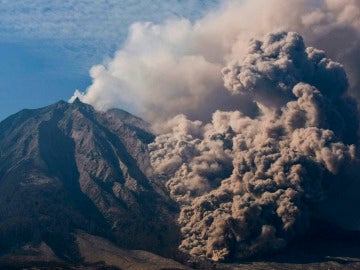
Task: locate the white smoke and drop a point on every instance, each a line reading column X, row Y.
column 164, row 70
column 277, row 127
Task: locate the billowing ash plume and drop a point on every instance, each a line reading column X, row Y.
column 246, row 185
column 283, row 130
column 173, row 68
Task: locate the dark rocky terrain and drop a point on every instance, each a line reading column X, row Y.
column 67, row 167
column 76, row 193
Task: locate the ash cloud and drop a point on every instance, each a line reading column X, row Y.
column 173, row 68
column 257, row 134
column 159, row 75
column 246, row 185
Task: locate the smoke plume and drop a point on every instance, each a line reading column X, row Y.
column 246, row 185
column 173, row 68
column 276, row 128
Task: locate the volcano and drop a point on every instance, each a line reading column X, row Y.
column 77, row 190
column 67, row 168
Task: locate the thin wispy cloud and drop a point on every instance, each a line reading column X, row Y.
column 84, row 19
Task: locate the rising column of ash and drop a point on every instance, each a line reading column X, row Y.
column 247, row 185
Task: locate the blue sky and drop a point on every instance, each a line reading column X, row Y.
column 48, row 47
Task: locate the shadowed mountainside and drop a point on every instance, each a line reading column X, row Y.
column 66, row 167
column 76, row 184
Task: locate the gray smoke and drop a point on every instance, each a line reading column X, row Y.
column 246, row 184
column 163, row 70
column 278, row 131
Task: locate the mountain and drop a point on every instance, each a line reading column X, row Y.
column 67, row 168
column 77, row 192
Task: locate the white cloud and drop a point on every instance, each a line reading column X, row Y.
column 174, row 67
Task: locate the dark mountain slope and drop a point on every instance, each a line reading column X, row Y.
column 67, row 167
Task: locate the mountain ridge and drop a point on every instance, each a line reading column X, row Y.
column 69, row 173
column 66, row 166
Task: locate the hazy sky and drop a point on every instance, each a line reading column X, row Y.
column 48, row 47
